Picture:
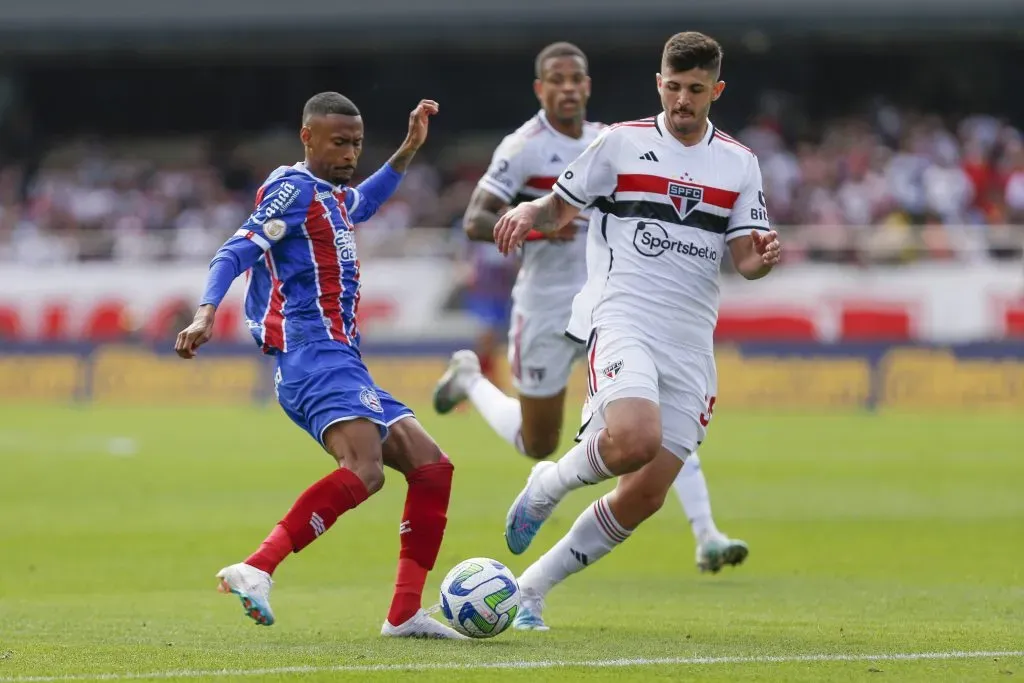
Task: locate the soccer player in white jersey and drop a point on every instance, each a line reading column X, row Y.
column 670, row 194
column 524, row 167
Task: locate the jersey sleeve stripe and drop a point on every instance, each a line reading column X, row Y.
column 495, row 188
column 749, row 228
column 253, row 237
column 636, row 182
column 568, row 196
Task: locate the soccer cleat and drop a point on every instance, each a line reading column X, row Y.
column 454, row 383
column 252, row 586
column 527, row 513
column 421, row 625
column 530, row 608
column 720, row 551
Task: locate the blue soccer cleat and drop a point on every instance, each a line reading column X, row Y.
column 529, row 511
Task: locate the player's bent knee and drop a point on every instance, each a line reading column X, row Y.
column 409, row 447
column 635, row 447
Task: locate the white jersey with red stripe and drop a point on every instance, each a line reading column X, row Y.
column 663, row 214
column 524, row 167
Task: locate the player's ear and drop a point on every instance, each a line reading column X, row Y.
column 537, row 85
column 305, row 135
column 716, row 91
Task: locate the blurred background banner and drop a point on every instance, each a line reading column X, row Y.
column 133, row 137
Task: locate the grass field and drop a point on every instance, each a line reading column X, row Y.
column 882, row 548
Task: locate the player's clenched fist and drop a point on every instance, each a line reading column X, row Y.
column 196, row 334
column 511, row 228
column 419, row 121
column 767, row 245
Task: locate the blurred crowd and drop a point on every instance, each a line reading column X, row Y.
column 891, row 183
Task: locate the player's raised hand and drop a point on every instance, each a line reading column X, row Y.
column 512, row 227
column 767, row 245
column 419, row 122
column 195, row 335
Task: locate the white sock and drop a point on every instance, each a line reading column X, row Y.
column 594, row 534
column 581, row 466
column 692, row 489
column 501, row 412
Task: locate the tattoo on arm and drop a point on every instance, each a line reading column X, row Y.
column 482, row 214
column 553, row 212
column 401, row 158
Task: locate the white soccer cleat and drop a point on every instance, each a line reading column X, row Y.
column 421, row 625
column 252, row 586
column 530, row 617
column 720, row 551
column 454, row 383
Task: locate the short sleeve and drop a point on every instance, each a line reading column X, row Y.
column 750, row 212
column 280, row 210
column 591, row 175
column 508, row 172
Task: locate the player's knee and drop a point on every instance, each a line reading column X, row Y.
column 371, row 473
column 540, row 444
column 636, row 446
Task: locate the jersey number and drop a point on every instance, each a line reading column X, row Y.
column 705, row 418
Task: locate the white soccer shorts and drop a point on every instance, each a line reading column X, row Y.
column 682, row 382
column 540, row 355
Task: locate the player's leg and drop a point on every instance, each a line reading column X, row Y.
column 428, row 473
column 714, row 549
column 691, row 391
column 623, row 435
column 541, row 358
column 323, row 391
column 596, row 532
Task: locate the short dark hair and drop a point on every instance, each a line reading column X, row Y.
column 325, row 103
column 692, row 50
column 560, row 49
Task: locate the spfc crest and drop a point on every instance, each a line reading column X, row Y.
column 612, row 369
column 685, row 197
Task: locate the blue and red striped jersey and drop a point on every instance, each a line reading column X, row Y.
column 303, row 283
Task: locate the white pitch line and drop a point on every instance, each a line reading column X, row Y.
column 598, row 663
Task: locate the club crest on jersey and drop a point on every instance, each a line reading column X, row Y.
column 369, row 398
column 685, row 197
column 612, row 370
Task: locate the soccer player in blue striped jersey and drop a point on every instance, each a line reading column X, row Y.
column 301, row 306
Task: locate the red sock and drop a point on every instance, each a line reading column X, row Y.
column 423, row 523
column 316, row 510
column 487, row 366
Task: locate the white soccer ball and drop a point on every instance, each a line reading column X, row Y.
column 480, row 597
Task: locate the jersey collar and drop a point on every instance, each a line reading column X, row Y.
column 706, row 140
column 301, row 167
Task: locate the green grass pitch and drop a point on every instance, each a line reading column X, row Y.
column 889, row 535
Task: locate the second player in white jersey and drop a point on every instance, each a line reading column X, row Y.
column 552, row 271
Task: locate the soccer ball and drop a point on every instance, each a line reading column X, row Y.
column 480, row 597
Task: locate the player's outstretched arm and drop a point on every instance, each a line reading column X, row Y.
column 378, row 188
column 756, row 254
column 482, row 214
column 546, row 215
column 232, row 259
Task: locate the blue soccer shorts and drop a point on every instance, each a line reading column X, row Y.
column 324, row 382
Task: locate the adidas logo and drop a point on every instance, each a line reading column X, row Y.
column 580, row 557
column 556, row 159
column 317, row 522
column 404, row 528
column 648, row 156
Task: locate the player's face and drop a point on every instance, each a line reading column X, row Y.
column 333, row 145
column 563, row 88
column 687, row 96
